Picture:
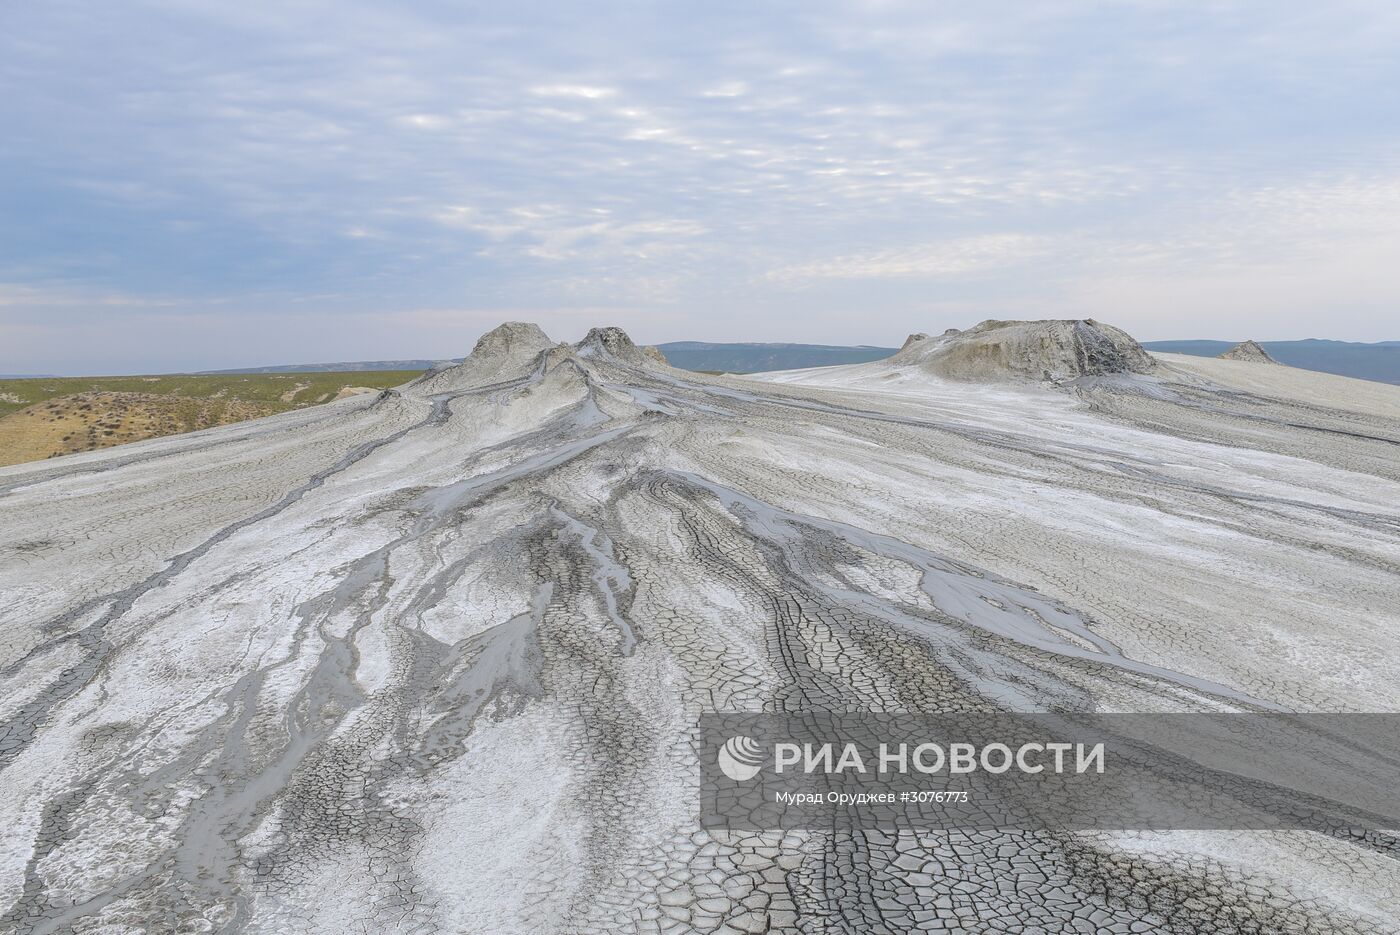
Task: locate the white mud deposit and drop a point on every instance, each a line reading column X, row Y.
column 431, row 660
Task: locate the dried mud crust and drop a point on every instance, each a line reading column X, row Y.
column 433, row 661
column 1026, row 350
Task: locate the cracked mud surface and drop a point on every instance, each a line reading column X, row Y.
column 431, row 661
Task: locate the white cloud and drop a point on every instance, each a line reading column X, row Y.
column 727, row 89
column 425, row 121
column 586, row 91
column 949, row 258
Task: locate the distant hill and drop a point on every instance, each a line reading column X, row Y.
column 753, row 358
column 687, row 355
column 1379, row 361
column 349, row 366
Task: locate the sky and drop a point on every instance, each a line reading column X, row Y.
column 194, row 184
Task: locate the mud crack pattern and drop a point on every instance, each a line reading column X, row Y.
column 432, row 661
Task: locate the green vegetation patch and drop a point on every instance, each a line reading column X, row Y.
column 279, row 391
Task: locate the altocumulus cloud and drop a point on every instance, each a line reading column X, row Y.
column 198, row 184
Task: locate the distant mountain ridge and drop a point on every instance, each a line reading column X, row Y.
column 1379, row 361
column 687, row 355
column 755, row 358
column 338, row 367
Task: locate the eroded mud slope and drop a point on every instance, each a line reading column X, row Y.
column 431, row 660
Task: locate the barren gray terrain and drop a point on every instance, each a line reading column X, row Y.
column 432, row 660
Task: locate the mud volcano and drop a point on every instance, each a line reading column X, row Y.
column 1248, row 350
column 433, row 659
column 1027, row 350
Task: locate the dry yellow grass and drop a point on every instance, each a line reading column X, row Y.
column 88, row 421
column 47, row 417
